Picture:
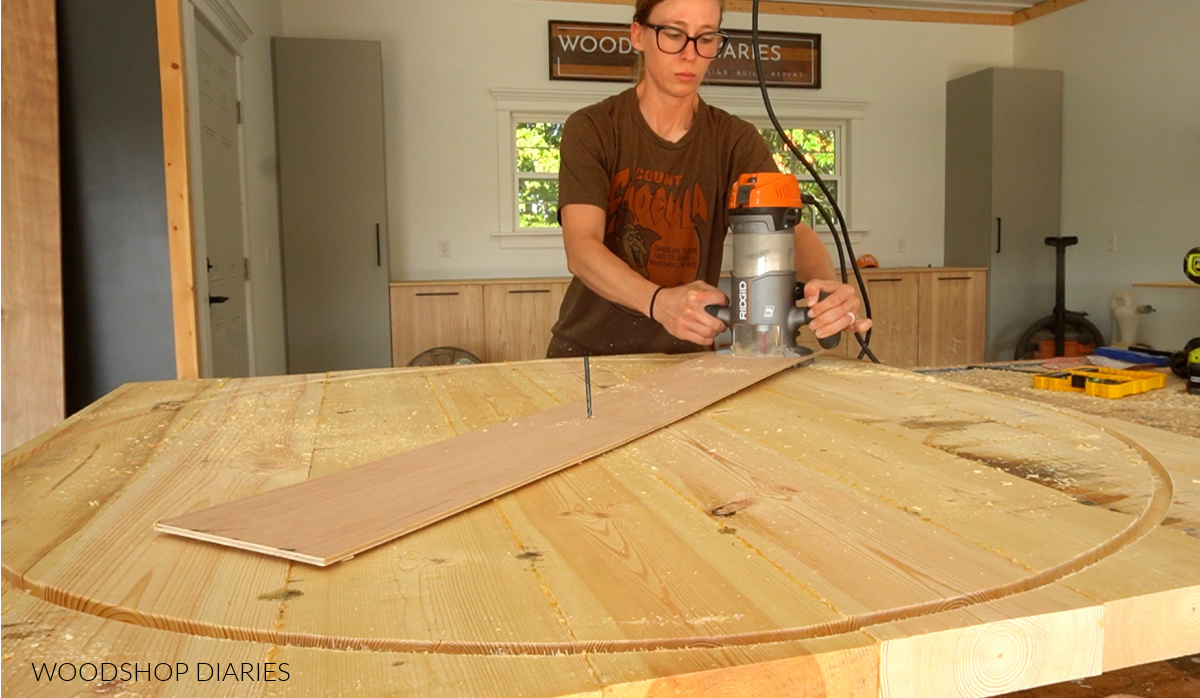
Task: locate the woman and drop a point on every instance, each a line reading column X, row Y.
column 643, row 196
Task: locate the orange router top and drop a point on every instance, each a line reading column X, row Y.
column 765, row 190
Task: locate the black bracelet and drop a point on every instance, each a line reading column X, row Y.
column 652, row 299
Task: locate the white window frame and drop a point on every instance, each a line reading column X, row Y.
column 517, row 176
column 515, row 106
column 839, row 176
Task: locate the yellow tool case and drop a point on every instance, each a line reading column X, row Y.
column 1101, row 381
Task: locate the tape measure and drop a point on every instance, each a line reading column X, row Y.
column 1191, row 264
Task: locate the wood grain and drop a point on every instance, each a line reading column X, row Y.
column 329, row 519
column 894, row 307
column 833, row 11
column 436, row 315
column 953, row 318
column 32, row 325
column 840, row 529
column 1042, row 9
column 181, row 246
column 518, row 318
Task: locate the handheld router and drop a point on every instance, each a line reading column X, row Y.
column 762, row 314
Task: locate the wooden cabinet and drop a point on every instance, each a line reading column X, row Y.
column 436, row 315
column 518, row 318
column 502, row 320
column 895, row 335
column 922, row 317
column 953, row 317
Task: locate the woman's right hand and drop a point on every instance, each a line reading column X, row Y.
column 681, row 311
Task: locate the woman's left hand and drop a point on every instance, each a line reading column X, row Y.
column 837, row 312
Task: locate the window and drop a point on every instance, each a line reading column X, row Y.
column 537, row 173
column 529, row 124
column 823, row 144
column 537, row 163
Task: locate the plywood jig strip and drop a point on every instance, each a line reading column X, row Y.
column 332, row 518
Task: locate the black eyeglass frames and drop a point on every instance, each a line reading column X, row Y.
column 673, row 40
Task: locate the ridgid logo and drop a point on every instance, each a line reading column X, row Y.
column 127, row 672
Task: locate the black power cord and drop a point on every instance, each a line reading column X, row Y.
column 863, row 342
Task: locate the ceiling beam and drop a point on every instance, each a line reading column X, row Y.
column 1042, row 9
column 806, row 9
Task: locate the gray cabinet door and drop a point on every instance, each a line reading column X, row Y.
column 1003, row 187
column 333, row 211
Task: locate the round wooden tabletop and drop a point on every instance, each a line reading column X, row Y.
column 839, row 529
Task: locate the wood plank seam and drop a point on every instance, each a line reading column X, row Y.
column 554, row 604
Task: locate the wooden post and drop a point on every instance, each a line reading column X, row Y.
column 179, row 205
column 33, row 392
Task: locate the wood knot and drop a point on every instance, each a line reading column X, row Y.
column 730, row 508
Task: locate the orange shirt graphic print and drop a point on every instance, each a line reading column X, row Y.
column 653, row 224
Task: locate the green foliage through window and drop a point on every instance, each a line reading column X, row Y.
column 822, row 145
column 538, row 203
column 537, row 173
column 537, row 164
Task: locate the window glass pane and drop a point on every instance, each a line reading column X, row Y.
column 537, row 203
column 821, row 144
column 809, row 214
column 537, row 146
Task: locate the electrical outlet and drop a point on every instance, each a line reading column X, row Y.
column 901, row 245
column 443, row 248
column 1112, row 242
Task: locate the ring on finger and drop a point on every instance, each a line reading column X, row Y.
column 853, row 318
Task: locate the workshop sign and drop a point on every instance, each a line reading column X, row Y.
column 603, row 52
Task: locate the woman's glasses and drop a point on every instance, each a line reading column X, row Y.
column 672, row 40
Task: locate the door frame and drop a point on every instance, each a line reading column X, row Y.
column 185, row 217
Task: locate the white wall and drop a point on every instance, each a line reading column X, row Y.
column 1131, row 153
column 442, row 57
column 262, row 198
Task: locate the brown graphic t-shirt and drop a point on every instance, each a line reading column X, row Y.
column 667, row 208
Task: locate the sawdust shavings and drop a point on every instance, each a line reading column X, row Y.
column 1170, row 408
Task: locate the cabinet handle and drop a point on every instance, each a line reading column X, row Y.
column 438, row 293
column 954, row 278
column 871, row 281
column 378, row 248
column 999, row 234
column 530, row 290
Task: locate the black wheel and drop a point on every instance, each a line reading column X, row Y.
column 444, row 356
column 1077, row 329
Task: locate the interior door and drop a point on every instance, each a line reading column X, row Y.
column 333, row 212
column 224, row 237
